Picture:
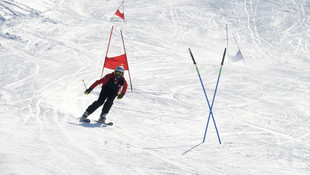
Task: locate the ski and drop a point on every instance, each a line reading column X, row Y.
column 85, row 120
column 88, row 121
column 110, row 123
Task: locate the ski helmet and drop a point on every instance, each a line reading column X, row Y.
column 119, row 72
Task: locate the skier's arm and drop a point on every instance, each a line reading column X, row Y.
column 124, row 87
column 103, row 81
column 121, row 95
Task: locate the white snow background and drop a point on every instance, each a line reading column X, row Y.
column 262, row 109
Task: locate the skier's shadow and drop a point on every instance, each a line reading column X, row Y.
column 88, row 125
column 192, row 148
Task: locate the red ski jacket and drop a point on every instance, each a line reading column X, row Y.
column 111, row 83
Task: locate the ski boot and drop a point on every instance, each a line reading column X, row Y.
column 84, row 117
column 102, row 118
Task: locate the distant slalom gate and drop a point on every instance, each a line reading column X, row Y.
column 119, row 13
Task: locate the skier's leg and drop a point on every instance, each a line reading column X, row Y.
column 96, row 104
column 108, row 104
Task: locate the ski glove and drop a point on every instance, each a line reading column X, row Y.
column 120, row 96
column 87, row 91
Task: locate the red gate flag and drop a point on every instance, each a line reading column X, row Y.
column 113, row 62
column 121, row 15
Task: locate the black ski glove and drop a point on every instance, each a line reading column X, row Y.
column 88, row 91
column 120, row 96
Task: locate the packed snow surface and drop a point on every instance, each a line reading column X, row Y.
column 261, row 109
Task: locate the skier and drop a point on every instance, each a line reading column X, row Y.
column 111, row 85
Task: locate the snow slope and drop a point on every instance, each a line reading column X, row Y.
column 262, row 109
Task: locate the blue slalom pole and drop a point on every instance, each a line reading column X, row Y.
column 218, row 79
column 203, row 90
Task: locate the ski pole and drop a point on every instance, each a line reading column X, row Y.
column 201, row 84
column 84, row 84
column 203, row 88
column 218, row 79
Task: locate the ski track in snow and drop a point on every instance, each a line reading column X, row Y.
column 261, row 109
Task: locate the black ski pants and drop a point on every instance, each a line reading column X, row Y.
column 104, row 96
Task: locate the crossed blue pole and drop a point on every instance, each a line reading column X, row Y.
column 210, row 106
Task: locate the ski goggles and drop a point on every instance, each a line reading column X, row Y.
column 119, row 74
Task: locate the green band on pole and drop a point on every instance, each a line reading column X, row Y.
column 197, row 69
